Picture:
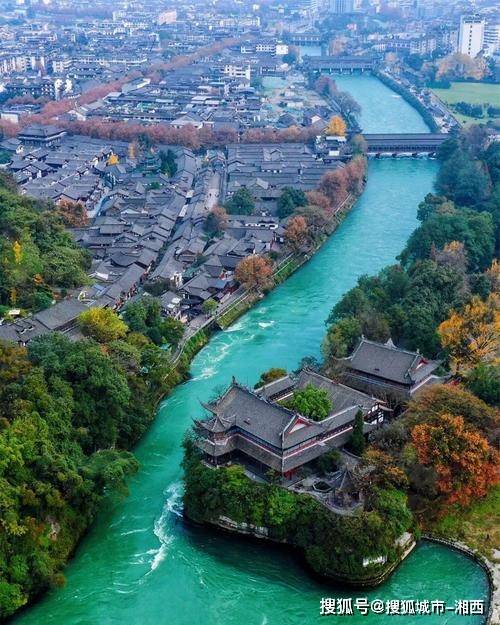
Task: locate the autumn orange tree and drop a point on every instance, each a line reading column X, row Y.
column 355, row 173
column 216, row 220
column 465, row 464
column 316, row 198
column 334, row 184
column 452, row 399
column 297, row 232
column 254, row 272
column 385, row 472
column 73, row 214
column 472, row 335
column 336, row 127
column 316, row 218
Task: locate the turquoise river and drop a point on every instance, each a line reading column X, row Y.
column 140, row 564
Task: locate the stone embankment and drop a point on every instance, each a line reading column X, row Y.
column 492, row 571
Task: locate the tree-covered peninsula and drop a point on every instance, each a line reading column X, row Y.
column 358, row 549
column 434, row 464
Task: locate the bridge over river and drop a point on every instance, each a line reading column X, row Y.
column 339, row 64
column 397, row 144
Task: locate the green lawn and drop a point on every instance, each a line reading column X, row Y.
column 473, row 93
column 478, row 525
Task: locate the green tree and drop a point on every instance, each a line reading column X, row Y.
column 289, row 200
column 342, row 337
column 240, row 203
column 209, row 306
column 168, row 162
column 311, row 402
column 172, row 330
column 275, row 373
column 484, row 381
column 357, row 440
column 463, row 179
column 474, row 230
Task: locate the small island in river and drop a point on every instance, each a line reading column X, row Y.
column 270, row 462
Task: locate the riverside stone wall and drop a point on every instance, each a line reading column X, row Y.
column 492, row 571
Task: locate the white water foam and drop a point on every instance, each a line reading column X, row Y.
column 171, row 506
column 265, row 324
column 140, row 530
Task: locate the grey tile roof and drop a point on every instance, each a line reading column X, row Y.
column 390, row 362
column 61, row 314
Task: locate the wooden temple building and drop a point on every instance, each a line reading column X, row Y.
column 387, row 371
column 248, row 427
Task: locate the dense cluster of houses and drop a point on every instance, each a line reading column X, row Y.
column 266, row 168
column 146, row 226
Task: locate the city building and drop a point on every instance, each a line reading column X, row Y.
column 471, row 35
column 491, row 39
column 342, row 6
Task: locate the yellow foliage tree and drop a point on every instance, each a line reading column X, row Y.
column 113, row 159
column 102, row 324
column 336, row 127
column 473, row 335
column 493, row 274
column 18, row 252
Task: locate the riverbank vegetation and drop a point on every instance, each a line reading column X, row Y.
column 69, row 413
column 442, row 298
column 448, row 262
column 475, row 525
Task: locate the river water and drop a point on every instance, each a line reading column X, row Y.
column 140, row 564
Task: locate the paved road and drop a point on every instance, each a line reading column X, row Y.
column 212, row 197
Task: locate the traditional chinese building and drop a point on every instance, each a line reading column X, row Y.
column 386, row 371
column 248, row 428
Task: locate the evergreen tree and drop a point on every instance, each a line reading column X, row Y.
column 357, row 441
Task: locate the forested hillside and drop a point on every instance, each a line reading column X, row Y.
column 38, row 258
column 68, row 411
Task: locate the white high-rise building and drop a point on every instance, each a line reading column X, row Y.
column 471, row 36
